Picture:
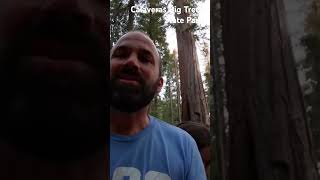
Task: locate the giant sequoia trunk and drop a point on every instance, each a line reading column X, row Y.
column 194, row 104
column 269, row 132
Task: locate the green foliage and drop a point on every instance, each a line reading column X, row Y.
column 167, row 105
column 170, row 95
column 118, row 18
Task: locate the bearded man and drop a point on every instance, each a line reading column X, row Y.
column 142, row 146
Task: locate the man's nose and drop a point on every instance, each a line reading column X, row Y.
column 133, row 61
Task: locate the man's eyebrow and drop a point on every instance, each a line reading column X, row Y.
column 119, row 48
column 146, row 51
column 122, row 47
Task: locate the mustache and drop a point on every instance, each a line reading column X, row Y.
column 129, row 73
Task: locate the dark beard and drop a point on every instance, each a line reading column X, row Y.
column 131, row 99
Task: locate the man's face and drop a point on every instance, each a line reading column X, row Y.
column 52, row 64
column 134, row 72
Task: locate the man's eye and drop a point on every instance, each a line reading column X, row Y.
column 144, row 58
column 120, row 53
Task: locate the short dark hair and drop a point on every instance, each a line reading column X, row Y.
column 199, row 132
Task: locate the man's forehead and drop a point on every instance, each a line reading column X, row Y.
column 136, row 36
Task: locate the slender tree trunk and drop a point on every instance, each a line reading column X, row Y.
column 153, row 108
column 269, row 133
column 194, row 104
column 170, row 100
column 178, row 97
column 177, row 77
column 131, row 15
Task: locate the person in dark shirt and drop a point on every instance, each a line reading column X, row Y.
column 201, row 135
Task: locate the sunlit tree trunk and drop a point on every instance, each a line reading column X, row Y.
column 170, row 101
column 177, row 82
column 194, row 104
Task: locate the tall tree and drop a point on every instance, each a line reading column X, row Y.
column 131, row 14
column 169, row 88
column 207, row 74
column 311, row 42
column 194, row 103
column 177, row 82
column 118, row 18
column 217, row 105
column 269, row 132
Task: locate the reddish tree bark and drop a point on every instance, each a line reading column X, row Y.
column 269, row 133
column 194, row 103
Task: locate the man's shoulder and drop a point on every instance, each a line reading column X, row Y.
column 171, row 131
column 168, row 127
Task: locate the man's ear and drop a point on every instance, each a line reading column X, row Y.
column 160, row 84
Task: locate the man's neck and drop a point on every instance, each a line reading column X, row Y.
column 128, row 123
